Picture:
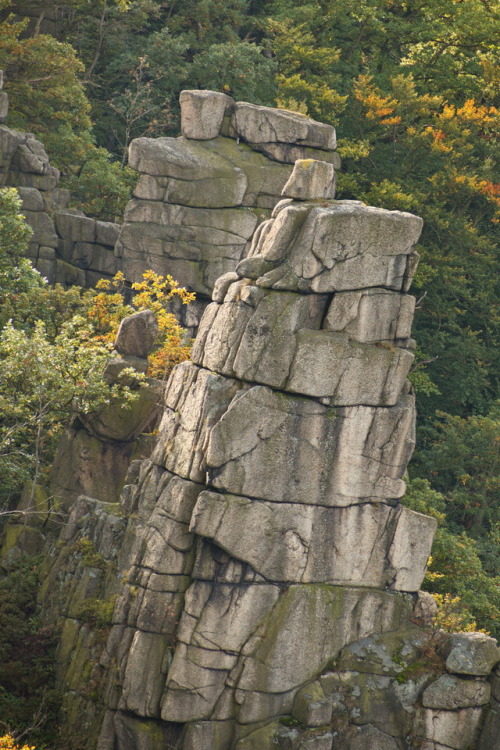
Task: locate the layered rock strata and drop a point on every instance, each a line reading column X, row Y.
column 269, row 569
column 257, row 584
column 201, row 196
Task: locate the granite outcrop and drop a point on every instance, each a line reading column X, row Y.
column 256, row 585
column 265, row 573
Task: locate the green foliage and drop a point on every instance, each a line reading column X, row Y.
column 97, row 612
column 47, row 97
column 423, row 499
column 238, row 69
column 412, row 90
column 461, row 458
column 102, row 187
column 41, row 383
column 468, row 589
column 456, row 569
column 90, row 557
column 14, row 231
column 27, row 657
column 50, row 361
column 138, row 60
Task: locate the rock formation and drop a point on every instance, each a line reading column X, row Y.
column 67, row 246
column 200, row 197
column 256, row 586
column 261, row 572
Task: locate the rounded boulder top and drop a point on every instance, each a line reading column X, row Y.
column 137, row 334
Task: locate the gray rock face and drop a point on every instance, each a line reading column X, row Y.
column 454, row 729
column 280, row 448
column 266, row 571
column 291, row 438
column 274, row 338
column 286, row 542
column 4, row 106
column 217, row 166
column 257, row 124
column 452, row 692
column 339, row 247
column 202, row 113
column 137, row 334
column 81, row 249
column 471, row 653
column 310, row 179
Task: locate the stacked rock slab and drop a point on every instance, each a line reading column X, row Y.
column 66, row 246
column 267, row 570
column 279, row 465
column 201, row 196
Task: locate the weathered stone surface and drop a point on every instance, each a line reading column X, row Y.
column 331, row 366
column 202, row 113
column 340, row 247
column 194, row 245
column 310, row 179
column 39, row 181
column 31, row 199
column 385, row 654
column 137, row 334
column 368, row 737
column 288, row 153
column 326, row 617
column 425, row 608
column 257, row 124
column 385, row 702
column 455, row 729
column 452, row 692
column 222, row 285
column 125, row 422
column 311, row 707
column 195, row 399
column 471, row 653
column 145, row 673
column 32, row 157
column 270, row 338
column 4, row 106
column 263, row 564
column 222, row 173
column 74, row 226
column 287, row 542
column 184, row 160
column 410, row 549
column 371, row 315
column 490, row 733
column 215, row 735
column 216, row 622
column 10, row 140
column 282, row 448
column 84, row 465
column 56, row 200
column 42, row 226
column 106, row 233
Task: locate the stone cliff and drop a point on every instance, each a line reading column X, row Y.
column 261, row 570
column 257, row 584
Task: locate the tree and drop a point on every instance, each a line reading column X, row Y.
column 469, row 589
column 55, row 348
column 461, row 456
column 47, row 97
